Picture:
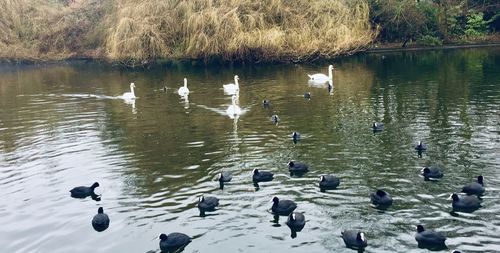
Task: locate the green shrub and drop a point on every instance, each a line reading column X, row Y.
column 429, row 40
column 476, row 25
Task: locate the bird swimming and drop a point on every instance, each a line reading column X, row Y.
column 84, row 191
column 354, row 239
column 377, row 127
column 432, row 172
column 322, row 78
column 207, row 204
column 429, row 238
column 183, row 90
column 476, row 188
column 381, row 198
column 283, row 207
column 131, row 94
column 262, row 176
column 173, row 241
column 232, row 88
column 328, row 182
column 100, row 222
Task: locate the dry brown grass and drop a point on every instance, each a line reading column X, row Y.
column 238, row 29
column 139, row 31
column 48, row 29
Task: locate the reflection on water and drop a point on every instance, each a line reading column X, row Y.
column 185, row 100
column 64, row 126
column 131, row 102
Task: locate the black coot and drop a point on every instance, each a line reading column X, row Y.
column 354, row 239
column 328, row 182
column 262, row 176
column 83, row 191
column 429, row 239
column 381, row 198
column 377, row 127
column 100, row 222
column 297, row 167
column 432, row 173
column 173, row 241
column 207, row 204
column 283, row 207
column 476, row 188
column 467, row 204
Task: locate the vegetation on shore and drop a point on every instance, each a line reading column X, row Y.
column 138, row 32
column 434, row 22
column 134, row 32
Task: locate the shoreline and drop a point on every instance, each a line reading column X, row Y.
column 384, row 48
column 371, row 49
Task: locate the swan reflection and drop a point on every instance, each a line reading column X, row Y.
column 234, row 110
column 186, row 101
column 132, row 103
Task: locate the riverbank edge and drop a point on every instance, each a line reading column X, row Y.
column 373, row 48
column 385, row 48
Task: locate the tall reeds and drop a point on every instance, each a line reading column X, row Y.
column 49, row 29
column 140, row 31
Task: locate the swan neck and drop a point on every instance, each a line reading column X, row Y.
column 185, row 83
column 132, row 90
column 330, row 73
column 236, row 81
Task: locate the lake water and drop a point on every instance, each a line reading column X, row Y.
column 63, row 126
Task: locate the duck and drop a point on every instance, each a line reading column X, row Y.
column 467, row 203
column 420, row 146
column 225, row 176
column 83, row 191
column 232, row 88
column 283, row 207
column 328, row 182
column 297, row 167
column 296, row 221
column 377, row 127
column 131, row 94
column 207, row 204
column 262, row 176
column 275, row 119
column 233, row 109
column 266, row 104
column 432, row 172
column 354, row 239
column 173, row 241
column 295, row 137
column 381, row 198
column 307, row 95
column 322, row 78
column 429, row 238
column 183, row 90
column 100, row 222
column 476, row 188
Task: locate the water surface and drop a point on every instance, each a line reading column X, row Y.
column 64, row 125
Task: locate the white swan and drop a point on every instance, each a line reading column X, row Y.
column 322, row 78
column 233, row 109
column 183, row 91
column 131, row 94
column 232, row 88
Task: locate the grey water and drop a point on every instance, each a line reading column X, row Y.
column 65, row 125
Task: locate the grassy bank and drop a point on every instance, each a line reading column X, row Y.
column 136, row 32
